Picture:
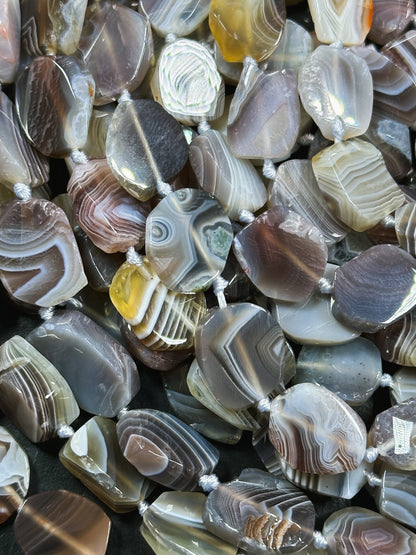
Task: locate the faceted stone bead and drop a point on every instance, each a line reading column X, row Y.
column 315, row 431
column 173, row 524
column 395, row 496
column 9, row 40
column 52, row 28
column 260, row 519
column 394, row 88
column 241, row 376
column 375, row 289
column 402, row 52
column 352, row 371
column 282, row 254
column 93, row 455
column 54, row 102
column 235, row 183
column 160, row 318
column 295, row 186
column 192, row 412
column 245, row 28
column 74, row 343
column 264, row 117
column 39, row 259
column 344, row 485
column 393, row 433
column 404, row 385
column 348, row 22
column 191, row 224
column 14, row 472
column 158, row 360
column 97, row 134
column 243, row 419
column 145, row 145
column 340, row 102
column 109, row 215
column 359, row 530
column 355, row 182
column 165, row 449
column 173, row 16
column 19, row 161
column 311, row 322
column 112, row 34
column 405, row 227
column 397, row 342
column 59, row 521
column 390, row 19
column 187, row 83
column 33, row 395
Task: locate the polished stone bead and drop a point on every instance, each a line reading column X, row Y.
column 394, row 88
column 242, row 419
column 348, row 22
column 59, row 521
column 341, row 101
column 160, row 318
column 405, row 227
column 393, row 433
column 165, row 449
column 193, row 225
column 187, row 83
column 112, row 219
column 14, row 472
column 359, row 530
column 264, row 116
column 93, row 456
column 73, row 343
column 235, row 183
column 356, row 184
column 395, row 496
column 9, row 40
column 40, row 262
column 192, row 412
column 116, row 46
column 33, row 395
column 244, row 28
column 258, row 518
column 282, row 254
column 295, row 186
column 404, row 384
column 311, row 322
column 145, row 145
column 397, row 342
column 180, row 17
column 375, row 289
column 19, row 161
column 315, row 431
column 352, row 371
column 97, row 134
column 402, row 52
column 242, row 354
column 173, row 524
column 54, row 102
column 390, row 19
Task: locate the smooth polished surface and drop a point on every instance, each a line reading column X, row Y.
column 397, row 342
column 14, row 475
column 390, row 19
column 396, row 495
column 180, row 17
column 9, row 40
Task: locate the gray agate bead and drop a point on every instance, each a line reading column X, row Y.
column 14, row 472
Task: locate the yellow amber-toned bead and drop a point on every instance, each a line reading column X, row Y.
column 247, row 27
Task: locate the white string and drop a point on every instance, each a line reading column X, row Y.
column 64, row 431
column 163, row 188
column 171, row 37
column 325, row 286
column 203, row 127
column 373, row 480
column 249, row 61
column 209, row 482
column 269, row 169
column 264, row 405
column 79, row 157
column 219, row 285
column 142, row 507
column 46, row 313
column 371, row 454
column 245, row 216
column 319, row 540
column 134, row 257
column 388, row 221
column 22, row 191
column 122, row 412
column 306, row 139
column 124, row 97
column 386, row 380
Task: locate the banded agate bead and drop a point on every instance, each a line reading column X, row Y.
column 395, row 495
column 390, row 19
column 180, row 17
column 404, row 385
column 397, row 342
column 14, row 472
column 9, row 40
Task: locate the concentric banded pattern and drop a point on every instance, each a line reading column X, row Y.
column 39, row 258
column 14, row 472
column 343, row 20
column 390, row 19
column 258, row 518
column 247, row 27
column 405, row 226
column 9, row 40
column 234, row 182
column 112, row 219
column 187, row 82
column 191, row 224
column 396, row 495
column 161, row 319
column 397, row 342
column 358, row 530
column 355, row 182
column 242, row 354
column 175, row 16
column 165, row 449
column 33, row 395
column 375, row 289
column 315, row 431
